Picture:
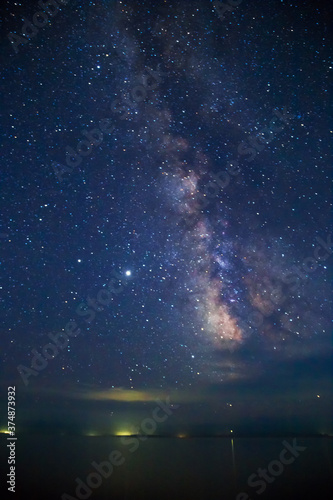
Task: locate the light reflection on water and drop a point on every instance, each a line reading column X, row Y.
column 204, row 468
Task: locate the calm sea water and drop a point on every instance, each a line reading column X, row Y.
column 168, row 468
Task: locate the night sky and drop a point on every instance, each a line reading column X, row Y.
column 184, row 245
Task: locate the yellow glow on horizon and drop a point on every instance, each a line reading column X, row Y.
column 4, row 431
column 124, row 433
column 181, row 436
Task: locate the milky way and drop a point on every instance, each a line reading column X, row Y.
column 209, row 187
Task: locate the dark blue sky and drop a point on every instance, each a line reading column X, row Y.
column 166, row 207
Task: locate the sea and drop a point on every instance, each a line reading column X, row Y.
column 156, row 468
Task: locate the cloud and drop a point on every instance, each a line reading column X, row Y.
column 120, row 394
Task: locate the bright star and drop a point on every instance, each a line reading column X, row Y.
column 128, row 273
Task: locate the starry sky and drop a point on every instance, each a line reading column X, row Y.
column 166, row 193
